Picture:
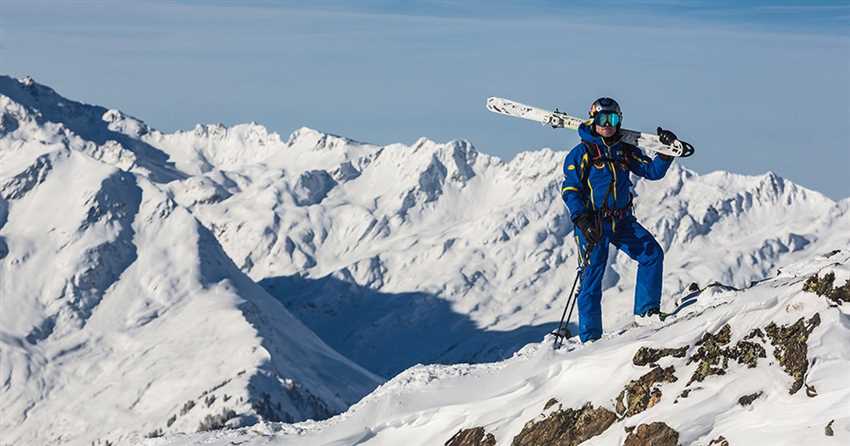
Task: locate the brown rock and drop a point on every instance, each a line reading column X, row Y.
column 686, row 393
column 747, row 353
column 828, row 429
column 811, row 391
column 823, row 286
column 648, row 355
column 746, row 400
column 642, row 393
column 475, row 436
column 565, row 427
column 710, row 355
column 791, row 347
column 653, row 434
column 713, row 358
column 719, row 441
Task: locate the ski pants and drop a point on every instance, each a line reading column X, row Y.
column 633, row 239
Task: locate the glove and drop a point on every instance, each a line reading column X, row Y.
column 586, row 223
column 666, row 136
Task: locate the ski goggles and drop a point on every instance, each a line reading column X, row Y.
column 607, row 119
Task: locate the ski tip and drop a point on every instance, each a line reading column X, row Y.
column 493, row 102
column 496, row 105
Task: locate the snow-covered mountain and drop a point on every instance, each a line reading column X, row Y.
column 143, row 273
column 765, row 365
column 119, row 312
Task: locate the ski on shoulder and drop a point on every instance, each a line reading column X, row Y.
column 558, row 119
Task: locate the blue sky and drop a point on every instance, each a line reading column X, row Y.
column 755, row 86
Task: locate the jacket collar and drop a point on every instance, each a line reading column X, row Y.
column 586, row 133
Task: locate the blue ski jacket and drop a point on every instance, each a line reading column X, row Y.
column 592, row 166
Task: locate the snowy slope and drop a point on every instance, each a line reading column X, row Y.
column 428, row 405
column 119, row 312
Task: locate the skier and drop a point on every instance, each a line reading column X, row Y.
column 597, row 191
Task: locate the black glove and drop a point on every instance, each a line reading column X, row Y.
column 666, row 136
column 586, row 223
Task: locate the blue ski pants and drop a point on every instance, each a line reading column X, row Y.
column 633, row 239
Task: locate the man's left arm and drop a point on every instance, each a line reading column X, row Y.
column 646, row 167
column 655, row 168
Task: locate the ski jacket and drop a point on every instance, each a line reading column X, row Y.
column 593, row 167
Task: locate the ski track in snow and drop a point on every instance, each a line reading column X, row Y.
column 143, row 274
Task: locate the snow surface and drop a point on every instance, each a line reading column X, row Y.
column 426, row 405
column 131, row 260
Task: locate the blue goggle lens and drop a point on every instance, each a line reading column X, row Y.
column 603, row 119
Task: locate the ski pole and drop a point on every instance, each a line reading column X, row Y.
column 584, row 264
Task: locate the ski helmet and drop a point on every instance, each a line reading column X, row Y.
column 605, row 105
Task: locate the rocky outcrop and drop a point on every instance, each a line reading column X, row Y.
column 644, row 392
column 828, row 429
column 719, row 441
column 713, row 357
column 824, row 286
column 475, row 436
column 746, row 400
column 647, row 355
column 710, row 356
column 791, row 347
column 653, row 434
column 565, row 427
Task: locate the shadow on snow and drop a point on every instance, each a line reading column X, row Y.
column 389, row 332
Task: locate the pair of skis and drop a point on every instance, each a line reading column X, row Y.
column 557, row 119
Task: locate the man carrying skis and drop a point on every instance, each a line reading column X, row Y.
column 597, row 191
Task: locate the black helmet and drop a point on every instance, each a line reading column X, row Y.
column 604, row 105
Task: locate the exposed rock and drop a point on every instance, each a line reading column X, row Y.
column 686, row 393
column 711, row 357
column 714, row 358
column 549, row 404
column 811, row 391
column 755, row 333
column 565, row 427
column 828, row 429
column 643, row 393
column 746, row 400
column 719, row 441
column 653, row 434
column 823, row 286
column 747, row 353
column 475, row 436
column 156, row 433
column 791, row 347
column 215, row 422
column 187, row 407
column 649, row 355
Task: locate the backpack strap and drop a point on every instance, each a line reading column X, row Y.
column 595, row 156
